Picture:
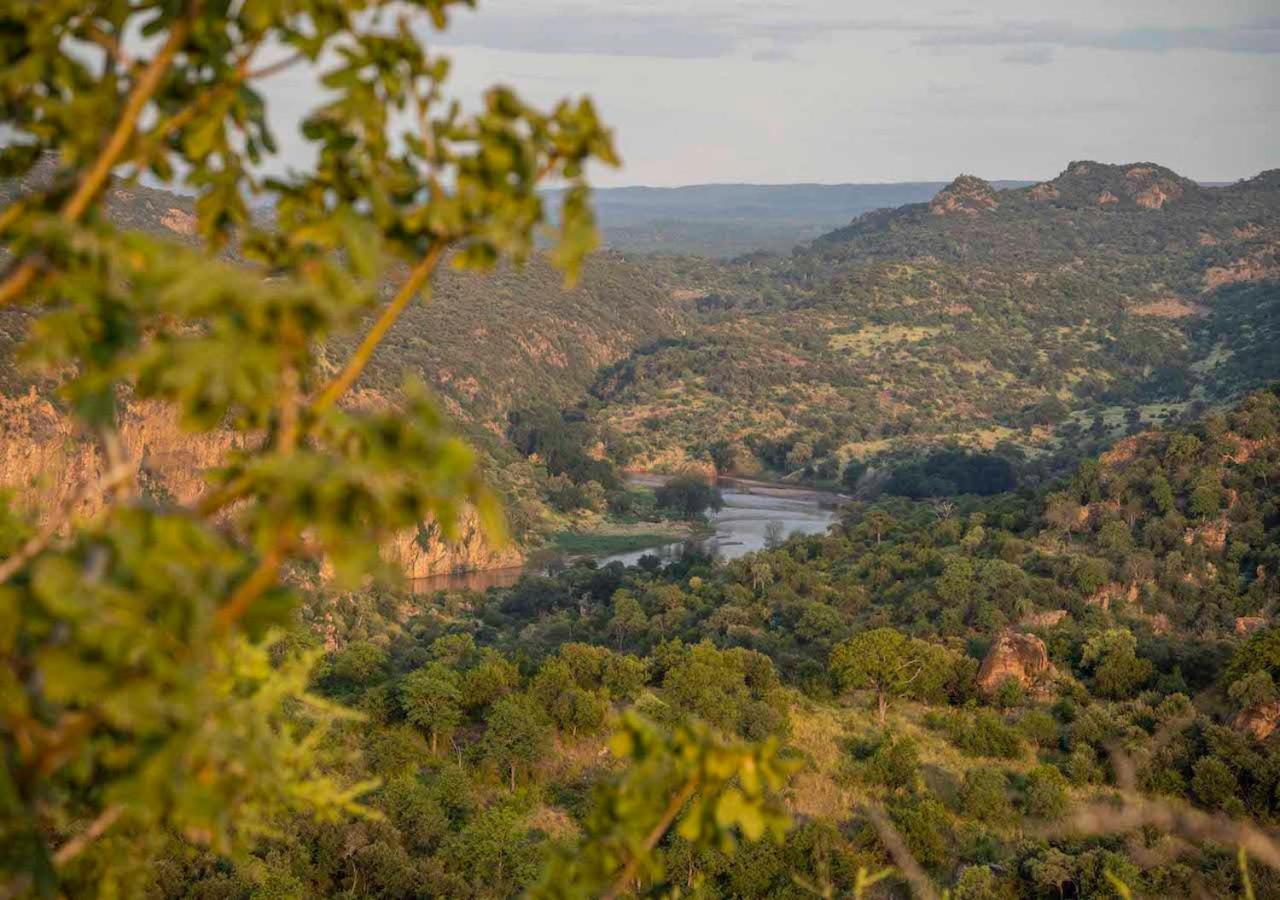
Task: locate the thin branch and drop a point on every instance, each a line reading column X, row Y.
column 242, row 74
column 74, row 847
column 253, row 587
column 1191, row 823
column 900, row 854
column 364, row 352
column 623, row 881
column 39, row 541
column 92, row 181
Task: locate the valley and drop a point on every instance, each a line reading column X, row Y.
column 397, row 500
column 1019, row 328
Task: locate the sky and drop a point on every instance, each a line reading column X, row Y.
column 836, row 91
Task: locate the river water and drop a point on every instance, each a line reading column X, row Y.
column 741, row 527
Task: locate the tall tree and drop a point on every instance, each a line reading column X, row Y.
column 881, row 660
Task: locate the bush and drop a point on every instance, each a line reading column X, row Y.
column 689, row 496
column 922, row 821
column 893, row 763
column 985, row 734
column 984, row 795
column 1213, row 782
column 1039, row 728
column 1046, row 796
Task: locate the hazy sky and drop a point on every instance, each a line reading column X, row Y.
column 892, row 90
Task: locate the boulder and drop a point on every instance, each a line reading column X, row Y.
column 1019, row 656
column 1258, row 720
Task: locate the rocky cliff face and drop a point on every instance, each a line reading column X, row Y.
column 45, row 459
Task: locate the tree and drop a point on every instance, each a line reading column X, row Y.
column 1117, row 669
column 880, row 523
column 773, row 534
column 881, row 660
column 628, row 621
column 517, row 733
column 152, row 688
column 360, row 662
column 689, row 496
column 432, row 700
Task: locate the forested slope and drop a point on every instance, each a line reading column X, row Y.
column 1045, row 317
column 1053, row 667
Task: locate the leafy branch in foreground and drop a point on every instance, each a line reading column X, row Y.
column 143, row 690
column 704, row 786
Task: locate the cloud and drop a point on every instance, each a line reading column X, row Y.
column 1259, row 37
column 572, row 30
column 675, row 33
column 1036, row 55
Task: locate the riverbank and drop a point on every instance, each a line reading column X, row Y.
column 762, row 486
column 613, row 537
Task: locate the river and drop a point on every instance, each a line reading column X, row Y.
column 741, row 527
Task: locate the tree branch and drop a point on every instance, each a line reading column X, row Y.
column 92, row 181
column 39, row 541
column 364, row 352
column 74, row 847
column 623, row 881
column 900, row 854
column 253, row 587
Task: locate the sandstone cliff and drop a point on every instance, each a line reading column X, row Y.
column 45, row 458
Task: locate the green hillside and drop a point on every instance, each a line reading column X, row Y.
column 1086, row 659
column 1039, row 321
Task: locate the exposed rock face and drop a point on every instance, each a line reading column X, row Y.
column 1249, row 624
column 1019, row 656
column 1045, row 619
column 1260, row 265
column 1211, row 534
column 1105, row 595
column 421, row 553
column 966, row 195
column 1043, row 193
column 45, row 459
column 1106, row 198
column 1258, row 721
column 178, row 221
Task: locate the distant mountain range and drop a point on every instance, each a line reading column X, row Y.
column 726, row 220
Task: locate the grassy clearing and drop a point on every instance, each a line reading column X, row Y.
column 613, row 538
column 868, row 340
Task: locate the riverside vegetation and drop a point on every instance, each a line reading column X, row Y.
column 1015, row 668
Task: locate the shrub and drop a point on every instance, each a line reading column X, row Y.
column 1039, row 728
column 1213, row 782
column 894, row 762
column 985, row 734
column 984, row 795
column 1046, row 795
column 922, row 821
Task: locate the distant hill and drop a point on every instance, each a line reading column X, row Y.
column 1039, row 320
column 726, row 220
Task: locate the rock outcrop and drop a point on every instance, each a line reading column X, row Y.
column 1249, row 624
column 967, row 195
column 1045, row 619
column 45, row 460
column 1258, row 721
column 1022, row 657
